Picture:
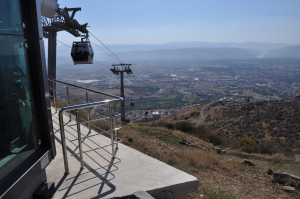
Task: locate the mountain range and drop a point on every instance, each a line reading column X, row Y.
column 191, row 51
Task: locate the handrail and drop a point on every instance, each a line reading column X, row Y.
column 89, row 105
column 82, row 106
column 61, row 122
column 87, row 89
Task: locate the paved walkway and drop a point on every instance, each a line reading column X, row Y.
column 104, row 177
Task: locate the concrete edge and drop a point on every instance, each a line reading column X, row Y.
column 137, row 195
column 178, row 191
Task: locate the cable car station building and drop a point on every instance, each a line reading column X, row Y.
column 40, row 143
column 26, row 134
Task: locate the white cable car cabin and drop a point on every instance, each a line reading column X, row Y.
column 82, row 52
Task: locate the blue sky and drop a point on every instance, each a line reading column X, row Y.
column 162, row 21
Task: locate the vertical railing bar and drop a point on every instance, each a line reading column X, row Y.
column 54, row 96
column 111, row 131
column 68, row 96
column 88, row 112
column 115, row 122
column 79, row 140
column 63, row 142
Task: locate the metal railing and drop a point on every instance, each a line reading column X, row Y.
column 112, row 120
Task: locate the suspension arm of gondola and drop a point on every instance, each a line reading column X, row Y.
column 60, row 21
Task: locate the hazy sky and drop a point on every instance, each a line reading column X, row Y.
column 162, row 21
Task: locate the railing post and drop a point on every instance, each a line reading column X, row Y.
column 79, row 140
column 88, row 112
column 68, row 96
column 63, row 142
column 111, row 131
column 54, row 96
column 115, row 122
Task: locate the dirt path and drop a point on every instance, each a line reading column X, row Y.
column 203, row 115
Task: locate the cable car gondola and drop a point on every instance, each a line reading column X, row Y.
column 131, row 103
column 82, row 52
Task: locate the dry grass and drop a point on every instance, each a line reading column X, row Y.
column 220, row 176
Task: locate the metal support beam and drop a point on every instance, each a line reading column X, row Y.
column 79, row 140
column 116, row 70
column 88, row 112
column 122, row 95
column 111, row 120
column 52, row 60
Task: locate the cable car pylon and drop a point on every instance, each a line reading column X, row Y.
column 120, row 69
column 62, row 20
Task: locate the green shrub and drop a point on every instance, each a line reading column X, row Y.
column 215, row 139
column 246, row 141
column 201, row 132
column 194, row 114
column 130, row 139
column 266, row 149
column 169, row 126
column 184, row 126
column 162, row 123
column 248, row 149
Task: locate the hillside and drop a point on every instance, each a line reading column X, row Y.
column 182, row 140
column 221, row 176
column 275, row 122
column 191, row 54
column 292, row 51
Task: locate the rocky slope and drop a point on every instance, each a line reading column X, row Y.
column 275, row 122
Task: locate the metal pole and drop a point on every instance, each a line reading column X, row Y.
column 123, row 102
column 115, row 122
column 88, row 112
column 111, row 131
column 79, row 140
column 68, row 96
column 54, row 96
column 63, row 142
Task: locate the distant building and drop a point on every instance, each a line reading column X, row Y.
column 298, row 96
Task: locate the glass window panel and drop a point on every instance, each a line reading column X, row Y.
column 10, row 17
column 19, row 135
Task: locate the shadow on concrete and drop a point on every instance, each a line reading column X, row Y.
column 60, row 182
column 103, row 177
column 72, row 184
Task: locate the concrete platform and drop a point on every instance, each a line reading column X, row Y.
column 104, row 177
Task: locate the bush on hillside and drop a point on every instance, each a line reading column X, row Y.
column 194, row 114
column 169, row 126
column 215, row 139
column 184, row 126
column 246, row 141
column 266, row 148
column 248, row 148
column 130, row 139
column 162, row 123
column 201, row 132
